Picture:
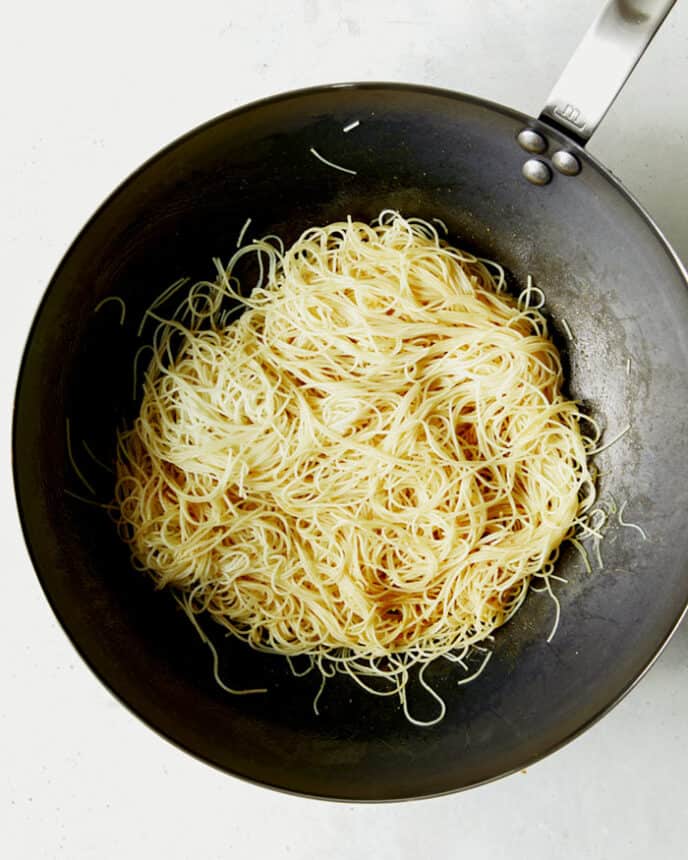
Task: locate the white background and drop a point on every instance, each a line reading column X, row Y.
column 90, row 90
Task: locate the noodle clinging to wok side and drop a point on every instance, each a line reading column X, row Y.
column 368, row 466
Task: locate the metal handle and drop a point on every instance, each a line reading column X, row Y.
column 602, row 63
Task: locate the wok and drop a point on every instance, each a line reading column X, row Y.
column 540, row 204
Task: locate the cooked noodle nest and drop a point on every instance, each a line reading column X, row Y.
column 369, row 465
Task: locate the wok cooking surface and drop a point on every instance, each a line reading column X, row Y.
column 604, row 269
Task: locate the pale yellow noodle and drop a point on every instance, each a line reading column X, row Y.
column 368, row 465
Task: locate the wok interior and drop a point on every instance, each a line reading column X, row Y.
column 430, row 154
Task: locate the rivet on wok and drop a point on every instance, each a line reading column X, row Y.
column 531, row 141
column 536, row 171
column 566, row 162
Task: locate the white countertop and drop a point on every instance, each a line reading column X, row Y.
column 89, row 92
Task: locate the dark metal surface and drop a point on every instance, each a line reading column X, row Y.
column 604, row 269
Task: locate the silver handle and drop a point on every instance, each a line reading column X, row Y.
column 602, row 63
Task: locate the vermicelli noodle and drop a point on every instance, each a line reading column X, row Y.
column 368, row 466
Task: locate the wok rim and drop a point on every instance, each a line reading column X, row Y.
column 321, row 89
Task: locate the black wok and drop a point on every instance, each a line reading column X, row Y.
column 605, row 269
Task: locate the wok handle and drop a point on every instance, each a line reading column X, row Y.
column 601, row 65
